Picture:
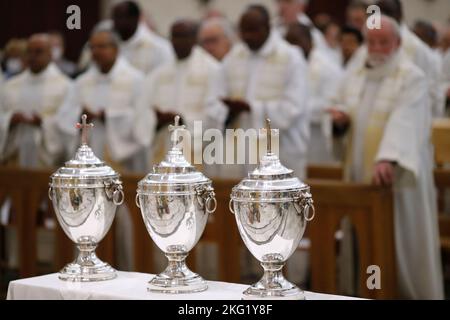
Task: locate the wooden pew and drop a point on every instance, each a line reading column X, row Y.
column 25, row 193
column 441, row 143
column 325, row 172
column 142, row 243
column 371, row 212
column 222, row 230
column 369, row 208
column 441, row 140
column 442, row 179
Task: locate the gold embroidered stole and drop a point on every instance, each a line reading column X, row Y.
column 383, row 106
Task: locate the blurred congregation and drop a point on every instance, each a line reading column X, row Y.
column 365, row 101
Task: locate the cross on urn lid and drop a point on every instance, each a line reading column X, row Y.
column 84, row 126
column 174, row 130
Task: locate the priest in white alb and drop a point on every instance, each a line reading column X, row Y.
column 383, row 108
column 28, row 105
column 108, row 94
column 264, row 77
column 181, row 87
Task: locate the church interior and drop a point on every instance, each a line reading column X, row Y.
column 350, row 192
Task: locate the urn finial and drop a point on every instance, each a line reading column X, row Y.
column 84, row 126
column 174, row 129
column 269, row 136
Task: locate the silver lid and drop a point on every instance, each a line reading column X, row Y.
column 174, row 169
column 85, row 165
column 270, row 175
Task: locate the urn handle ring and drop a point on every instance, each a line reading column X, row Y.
column 50, row 191
column 136, row 200
column 206, row 198
column 309, row 218
column 114, row 191
column 230, row 206
column 118, row 196
column 302, row 205
column 211, row 200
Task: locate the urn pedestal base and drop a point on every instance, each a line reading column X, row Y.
column 273, row 285
column 87, row 267
column 177, row 278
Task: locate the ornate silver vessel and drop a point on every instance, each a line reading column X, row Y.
column 85, row 194
column 271, row 207
column 175, row 201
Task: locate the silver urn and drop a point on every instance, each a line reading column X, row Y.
column 272, row 208
column 175, row 201
column 85, row 194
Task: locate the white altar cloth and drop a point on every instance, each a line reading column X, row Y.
column 127, row 286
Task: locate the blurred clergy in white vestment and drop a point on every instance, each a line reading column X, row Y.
column 29, row 102
column 181, row 87
column 264, row 77
column 107, row 93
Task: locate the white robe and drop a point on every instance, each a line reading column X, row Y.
column 393, row 101
column 323, row 80
column 424, row 57
column 126, row 130
column 146, row 51
column 181, row 87
column 29, row 93
column 273, row 82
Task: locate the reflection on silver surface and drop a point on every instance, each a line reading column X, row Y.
column 175, row 201
column 85, row 194
column 271, row 208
